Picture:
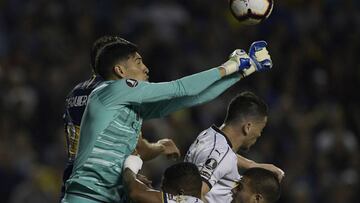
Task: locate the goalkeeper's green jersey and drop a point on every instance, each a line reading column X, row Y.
column 112, row 122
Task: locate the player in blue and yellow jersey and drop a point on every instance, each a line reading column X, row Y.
column 75, row 104
column 113, row 117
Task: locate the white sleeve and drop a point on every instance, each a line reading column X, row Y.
column 215, row 166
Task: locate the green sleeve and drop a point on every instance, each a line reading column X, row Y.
column 161, row 109
column 131, row 92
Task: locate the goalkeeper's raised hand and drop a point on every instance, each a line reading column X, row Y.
column 257, row 60
column 239, row 60
column 260, row 56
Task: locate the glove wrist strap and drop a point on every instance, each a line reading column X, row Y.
column 230, row 67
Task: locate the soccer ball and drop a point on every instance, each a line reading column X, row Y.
column 251, row 12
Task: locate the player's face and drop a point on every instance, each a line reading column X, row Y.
column 254, row 133
column 135, row 68
column 242, row 193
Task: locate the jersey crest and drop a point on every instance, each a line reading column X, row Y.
column 211, row 164
column 131, row 82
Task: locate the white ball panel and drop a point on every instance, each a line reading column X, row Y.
column 240, row 7
column 259, row 7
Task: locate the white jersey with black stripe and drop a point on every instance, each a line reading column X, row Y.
column 211, row 152
column 169, row 198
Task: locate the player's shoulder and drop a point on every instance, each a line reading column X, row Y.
column 215, row 137
column 125, row 85
column 126, row 82
column 85, row 87
column 214, row 147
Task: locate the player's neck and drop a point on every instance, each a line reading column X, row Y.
column 113, row 77
column 233, row 135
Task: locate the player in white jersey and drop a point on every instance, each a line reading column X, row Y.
column 257, row 185
column 181, row 183
column 212, row 153
column 214, row 149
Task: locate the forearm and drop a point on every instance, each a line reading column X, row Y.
column 207, row 95
column 214, row 90
column 161, row 99
column 196, row 83
column 138, row 192
column 148, row 150
column 245, row 163
column 204, row 189
column 132, row 185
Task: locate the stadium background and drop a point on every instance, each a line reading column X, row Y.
column 314, row 127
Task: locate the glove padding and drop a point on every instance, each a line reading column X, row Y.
column 239, row 60
column 260, row 56
column 134, row 163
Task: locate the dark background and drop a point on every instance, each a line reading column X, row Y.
column 312, row 91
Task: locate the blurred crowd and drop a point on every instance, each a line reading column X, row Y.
column 314, row 122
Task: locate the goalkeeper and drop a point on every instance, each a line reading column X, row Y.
column 117, row 107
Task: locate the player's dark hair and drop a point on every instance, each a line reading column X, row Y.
column 245, row 105
column 182, row 178
column 107, row 51
column 263, row 182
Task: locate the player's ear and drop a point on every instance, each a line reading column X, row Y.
column 246, row 128
column 120, row 71
column 259, row 198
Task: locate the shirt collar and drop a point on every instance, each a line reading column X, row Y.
column 223, row 134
